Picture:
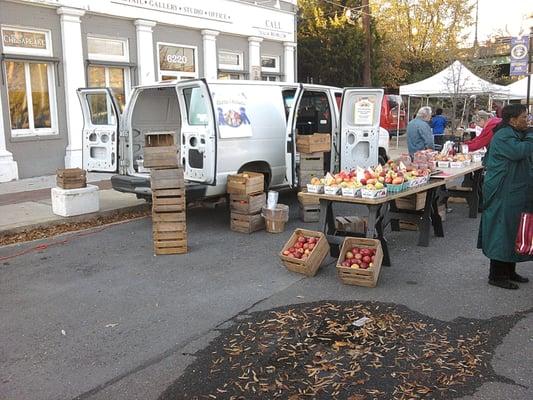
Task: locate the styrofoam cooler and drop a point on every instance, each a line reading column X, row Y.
column 70, row 202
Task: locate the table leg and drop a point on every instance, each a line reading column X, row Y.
column 423, row 226
column 322, row 221
column 436, row 220
column 394, row 222
column 375, row 228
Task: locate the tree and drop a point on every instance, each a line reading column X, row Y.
column 331, row 44
column 419, row 37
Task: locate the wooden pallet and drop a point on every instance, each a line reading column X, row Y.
column 312, row 161
column 246, row 183
column 246, row 223
column 310, row 213
column 247, row 203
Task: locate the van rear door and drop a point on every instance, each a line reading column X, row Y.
column 101, row 125
column 198, row 132
column 290, row 149
column 359, row 127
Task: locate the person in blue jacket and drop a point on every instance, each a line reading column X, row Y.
column 438, row 123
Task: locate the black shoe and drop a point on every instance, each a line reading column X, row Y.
column 518, row 278
column 503, row 283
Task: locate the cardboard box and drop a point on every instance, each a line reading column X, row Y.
column 318, row 142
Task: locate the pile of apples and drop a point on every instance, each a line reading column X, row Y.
column 302, row 248
column 359, row 257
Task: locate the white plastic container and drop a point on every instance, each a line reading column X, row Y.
column 70, row 202
column 272, row 199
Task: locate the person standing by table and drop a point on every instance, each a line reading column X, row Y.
column 508, row 191
column 486, row 123
column 419, row 135
column 438, row 123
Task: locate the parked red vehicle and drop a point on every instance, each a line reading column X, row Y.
column 389, row 114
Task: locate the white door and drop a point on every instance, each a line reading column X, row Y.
column 198, row 132
column 101, row 118
column 359, row 127
column 290, row 149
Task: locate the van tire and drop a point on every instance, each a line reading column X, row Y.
column 259, row 167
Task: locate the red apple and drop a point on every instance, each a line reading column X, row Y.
column 286, row 252
column 364, row 266
column 298, row 245
column 363, row 181
column 346, row 263
column 311, row 246
column 366, row 259
column 302, row 239
column 358, row 256
column 311, row 240
column 305, row 245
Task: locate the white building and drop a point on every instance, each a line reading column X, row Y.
column 49, row 48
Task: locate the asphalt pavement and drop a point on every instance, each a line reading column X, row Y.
column 97, row 316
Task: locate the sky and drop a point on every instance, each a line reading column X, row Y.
column 497, row 15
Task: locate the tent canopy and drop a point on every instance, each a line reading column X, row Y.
column 455, row 80
column 518, row 89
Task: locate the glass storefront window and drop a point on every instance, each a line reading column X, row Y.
column 31, row 98
column 270, row 63
column 227, row 75
column 176, row 62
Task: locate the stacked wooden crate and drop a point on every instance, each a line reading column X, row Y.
column 311, row 149
column 71, row 178
column 247, row 198
column 168, row 194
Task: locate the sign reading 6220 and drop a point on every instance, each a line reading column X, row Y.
column 177, row 59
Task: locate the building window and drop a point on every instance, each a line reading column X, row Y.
column 270, row 78
column 31, row 98
column 270, row 64
column 229, row 75
column 26, row 41
column 229, row 60
column 111, row 77
column 106, row 49
column 177, row 61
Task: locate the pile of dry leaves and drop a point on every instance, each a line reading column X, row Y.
column 351, row 351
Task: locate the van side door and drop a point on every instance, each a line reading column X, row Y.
column 359, row 127
column 198, row 132
column 291, row 100
column 101, row 126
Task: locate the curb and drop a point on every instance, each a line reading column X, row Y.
column 74, row 219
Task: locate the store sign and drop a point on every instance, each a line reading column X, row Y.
column 519, row 55
column 364, row 111
column 174, row 58
column 229, row 58
column 177, row 8
column 24, row 39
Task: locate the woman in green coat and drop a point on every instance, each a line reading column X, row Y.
column 507, row 192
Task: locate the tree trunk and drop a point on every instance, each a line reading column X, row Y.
column 367, row 77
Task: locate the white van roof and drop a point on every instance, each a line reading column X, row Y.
column 171, row 83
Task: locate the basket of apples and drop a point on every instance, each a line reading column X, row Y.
column 332, row 184
column 316, row 185
column 360, row 261
column 395, row 182
column 350, row 186
column 304, row 252
column 373, row 185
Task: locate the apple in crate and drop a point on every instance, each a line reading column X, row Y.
column 302, row 248
column 358, row 257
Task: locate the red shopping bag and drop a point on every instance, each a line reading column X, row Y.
column 524, row 236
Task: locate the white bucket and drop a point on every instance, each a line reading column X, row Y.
column 272, row 199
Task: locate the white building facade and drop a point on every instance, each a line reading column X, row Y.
column 50, row 48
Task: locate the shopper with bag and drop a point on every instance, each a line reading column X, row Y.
column 507, row 193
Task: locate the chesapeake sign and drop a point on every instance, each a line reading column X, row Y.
column 24, row 39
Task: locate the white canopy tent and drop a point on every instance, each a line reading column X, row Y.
column 517, row 90
column 456, row 80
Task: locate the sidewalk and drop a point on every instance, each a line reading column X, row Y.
column 26, row 203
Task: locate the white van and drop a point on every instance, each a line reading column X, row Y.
column 223, row 127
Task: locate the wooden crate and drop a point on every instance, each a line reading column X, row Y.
column 312, row 161
column 310, row 266
column 317, row 142
column 408, row 225
column 246, row 183
column 356, row 276
column 413, row 202
column 304, row 177
column 170, row 242
column 168, row 200
column 307, row 200
column 247, row 203
column 159, row 139
column 351, row 224
column 167, row 179
column 246, row 223
column 309, row 213
column 161, row 157
column 71, row 178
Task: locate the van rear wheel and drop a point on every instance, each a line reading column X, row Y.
column 261, row 168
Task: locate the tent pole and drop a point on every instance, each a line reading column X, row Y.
column 398, row 123
column 408, row 108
